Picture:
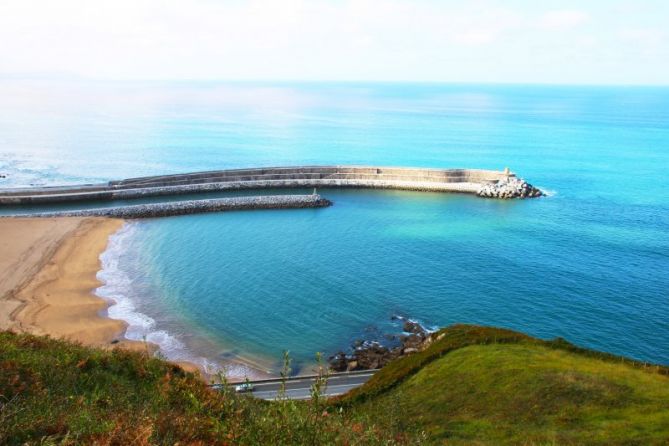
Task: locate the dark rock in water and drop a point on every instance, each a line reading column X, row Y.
column 338, row 362
column 370, row 354
column 374, row 357
column 413, row 327
column 412, row 341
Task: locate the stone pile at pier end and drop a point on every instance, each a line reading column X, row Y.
column 510, row 187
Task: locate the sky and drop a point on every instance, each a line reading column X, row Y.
column 481, row 41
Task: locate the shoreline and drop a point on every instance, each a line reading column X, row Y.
column 49, row 276
column 125, row 304
column 52, row 293
column 49, row 282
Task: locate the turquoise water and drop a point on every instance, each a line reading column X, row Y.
column 589, row 263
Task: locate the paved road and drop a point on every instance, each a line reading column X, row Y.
column 298, row 388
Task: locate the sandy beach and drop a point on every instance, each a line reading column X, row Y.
column 47, row 278
column 48, row 274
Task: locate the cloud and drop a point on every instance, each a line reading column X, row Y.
column 648, row 42
column 644, row 36
column 435, row 40
column 561, row 19
column 235, row 39
column 476, row 37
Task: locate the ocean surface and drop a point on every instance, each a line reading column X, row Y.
column 589, row 263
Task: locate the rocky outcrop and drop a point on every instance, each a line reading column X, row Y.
column 368, row 355
column 196, row 206
column 511, row 187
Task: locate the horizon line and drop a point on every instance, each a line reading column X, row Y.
column 76, row 78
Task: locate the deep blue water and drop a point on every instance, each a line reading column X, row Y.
column 589, row 263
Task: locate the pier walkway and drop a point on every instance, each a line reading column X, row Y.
column 418, row 179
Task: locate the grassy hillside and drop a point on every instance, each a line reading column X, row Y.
column 54, row 392
column 472, row 385
column 483, row 386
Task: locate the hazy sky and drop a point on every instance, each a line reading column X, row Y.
column 586, row 41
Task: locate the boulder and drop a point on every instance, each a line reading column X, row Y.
column 412, row 327
column 412, row 341
column 510, row 187
column 369, row 354
column 338, row 362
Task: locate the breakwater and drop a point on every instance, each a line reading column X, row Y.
column 471, row 181
column 509, row 188
column 196, row 206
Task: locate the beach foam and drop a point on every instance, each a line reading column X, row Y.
column 548, row 192
column 118, row 289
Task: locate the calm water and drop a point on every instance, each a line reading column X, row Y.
column 589, row 263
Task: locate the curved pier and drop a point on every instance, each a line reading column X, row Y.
column 439, row 180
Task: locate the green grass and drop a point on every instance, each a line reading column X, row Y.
column 472, row 385
column 487, row 386
column 55, row 392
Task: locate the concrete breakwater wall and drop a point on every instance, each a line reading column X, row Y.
column 437, row 180
column 195, row 206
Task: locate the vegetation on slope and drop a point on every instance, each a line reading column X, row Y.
column 55, row 392
column 478, row 385
column 472, row 385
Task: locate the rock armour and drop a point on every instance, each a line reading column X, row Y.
column 195, row 206
column 508, row 188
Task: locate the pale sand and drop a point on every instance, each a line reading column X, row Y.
column 48, row 269
column 47, row 278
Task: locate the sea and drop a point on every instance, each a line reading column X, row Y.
column 232, row 291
